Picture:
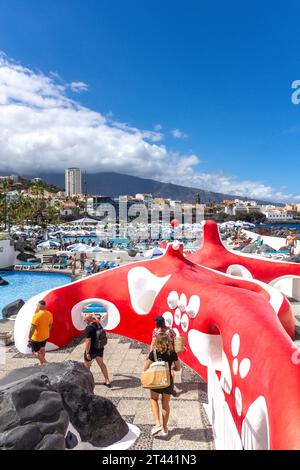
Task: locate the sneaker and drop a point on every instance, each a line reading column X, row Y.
column 155, row 430
column 164, row 433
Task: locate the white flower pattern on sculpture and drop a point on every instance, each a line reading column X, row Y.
column 184, row 311
column 242, row 367
column 239, row 368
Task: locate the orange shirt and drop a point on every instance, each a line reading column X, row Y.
column 42, row 320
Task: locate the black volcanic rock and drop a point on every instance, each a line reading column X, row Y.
column 37, row 404
column 28, row 257
column 22, row 246
column 132, row 253
column 293, row 259
column 31, row 415
column 12, row 309
column 263, row 248
column 249, row 249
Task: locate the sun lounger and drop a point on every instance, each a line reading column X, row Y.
column 27, row 265
column 95, row 309
column 63, row 265
column 18, row 267
column 47, row 259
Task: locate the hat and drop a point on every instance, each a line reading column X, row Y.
column 160, row 321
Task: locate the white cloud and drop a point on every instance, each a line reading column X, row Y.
column 77, row 87
column 43, row 130
column 179, row 134
column 158, row 127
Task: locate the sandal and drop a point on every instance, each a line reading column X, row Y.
column 155, row 430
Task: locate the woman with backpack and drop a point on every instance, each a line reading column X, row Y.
column 162, row 328
column 162, row 351
column 95, row 342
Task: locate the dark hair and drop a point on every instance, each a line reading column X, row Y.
column 160, row 322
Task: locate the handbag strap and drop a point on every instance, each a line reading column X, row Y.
column 155, row 355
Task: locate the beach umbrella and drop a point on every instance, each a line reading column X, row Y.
column 48, row 245
column 78, row 248
column 21, row 233
column 95, row 249
column 154, row 252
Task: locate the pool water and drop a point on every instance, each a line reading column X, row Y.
column 25, row 285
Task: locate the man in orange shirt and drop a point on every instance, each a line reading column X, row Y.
column 41, row 325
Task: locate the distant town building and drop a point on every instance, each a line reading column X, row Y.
column 236, row 207
column 278, row 216
column 103, row 206
column 146, row 198
column 73, row 182
column 68, row 208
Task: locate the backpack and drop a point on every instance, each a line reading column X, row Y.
column 100, row 337
column 157, row 376
column 179, row 344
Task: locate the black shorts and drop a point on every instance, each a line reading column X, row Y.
column 37, row 345
column 168, row 390
column 93, row 355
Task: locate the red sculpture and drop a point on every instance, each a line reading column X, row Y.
column 241, row 329
column 213, row 254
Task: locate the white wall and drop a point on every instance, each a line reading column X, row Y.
column 226, row 436
column 7, row 254
column 255, row 426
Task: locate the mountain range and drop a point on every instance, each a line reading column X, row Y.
column 115, row 184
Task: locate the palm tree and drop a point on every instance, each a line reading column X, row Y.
column 4, row 203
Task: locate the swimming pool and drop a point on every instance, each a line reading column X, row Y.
column 25, row 285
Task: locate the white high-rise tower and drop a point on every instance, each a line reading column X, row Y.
column 73, row 182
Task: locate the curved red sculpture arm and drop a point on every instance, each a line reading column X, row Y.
column 213, row 254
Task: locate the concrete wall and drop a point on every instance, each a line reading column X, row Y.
column 7, row 254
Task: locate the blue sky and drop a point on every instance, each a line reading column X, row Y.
column 213, row 78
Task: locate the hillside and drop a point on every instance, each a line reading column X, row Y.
column 115, row 184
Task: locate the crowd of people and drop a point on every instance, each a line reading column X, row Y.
column 161, row 349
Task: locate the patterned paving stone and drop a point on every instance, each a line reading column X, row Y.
column 125, row 359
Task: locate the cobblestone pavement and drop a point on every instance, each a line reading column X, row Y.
column 189, row 428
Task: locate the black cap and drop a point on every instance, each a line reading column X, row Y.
column 160, row 321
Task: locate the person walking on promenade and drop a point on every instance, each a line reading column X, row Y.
column 73, row 264
column 161, row 328
column 94, row 267
column 39, row 333
column 83, row 258
column 291, row 242
column 94, row 345
column 165, row 353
